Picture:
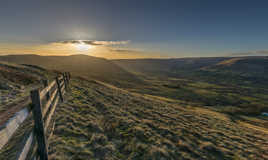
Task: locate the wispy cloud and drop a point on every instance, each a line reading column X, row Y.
column 94, row 42
column 262, row 51
column 126, row 50
column 251, row 53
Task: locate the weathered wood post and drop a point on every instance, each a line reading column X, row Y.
column 68, row 81
column 65, row 80
column 45, row 83
column 39, row 131
column 67, row 76
column 59, row 88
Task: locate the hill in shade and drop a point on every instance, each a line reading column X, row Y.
column 245, row 70
column 79, row 65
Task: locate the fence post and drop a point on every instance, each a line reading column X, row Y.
column 39, row 125
column 45, row 83
column 65, row 80
column 67, row 77
column 59, row 88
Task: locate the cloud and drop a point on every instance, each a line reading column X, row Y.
column 125, row 50
column 94, row 42
column 70, row 42
column 252, row 53
column 262, row 51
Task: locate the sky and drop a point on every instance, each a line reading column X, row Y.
column 134, row 28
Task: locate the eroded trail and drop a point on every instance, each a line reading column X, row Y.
column 99, row 121
column 16, row 82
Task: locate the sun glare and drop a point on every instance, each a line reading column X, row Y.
column 82, row 47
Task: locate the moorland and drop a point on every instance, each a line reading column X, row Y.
column 187, row 108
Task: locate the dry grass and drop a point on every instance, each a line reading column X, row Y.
column 102, row 122
column 16, row 81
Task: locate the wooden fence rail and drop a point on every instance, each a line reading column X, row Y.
column 43, row 105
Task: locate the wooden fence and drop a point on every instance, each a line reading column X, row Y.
column 43, row 104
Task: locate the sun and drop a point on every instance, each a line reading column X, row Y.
column 83, row 47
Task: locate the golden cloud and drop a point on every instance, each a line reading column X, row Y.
column 94, row 42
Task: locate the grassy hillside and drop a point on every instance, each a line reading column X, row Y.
column 236, row 85
column 221, row 70
column 230, row 85
column 100, row 121
column 82, row 65
column 172, row 118
column 167, row 67
column 16, row 81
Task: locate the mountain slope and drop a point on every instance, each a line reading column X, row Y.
column 243, row 67
column 217, row 69
column 16, row 81
column 237, row 85
column 80, row 65
column 100, row 121
column 191, row 64
column 167, row 66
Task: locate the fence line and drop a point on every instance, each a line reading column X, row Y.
column 43, row 105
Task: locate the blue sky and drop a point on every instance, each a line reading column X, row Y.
column 172, row 28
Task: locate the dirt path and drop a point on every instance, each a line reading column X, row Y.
column 13, row 108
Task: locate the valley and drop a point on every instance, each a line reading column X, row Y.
column 147, row 108
column 133, row 80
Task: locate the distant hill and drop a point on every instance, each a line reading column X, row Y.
column 216, row 69
column 237, row 84
column 123, row 73
column 79, row 65
column 254, row 66
column 167, row 66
